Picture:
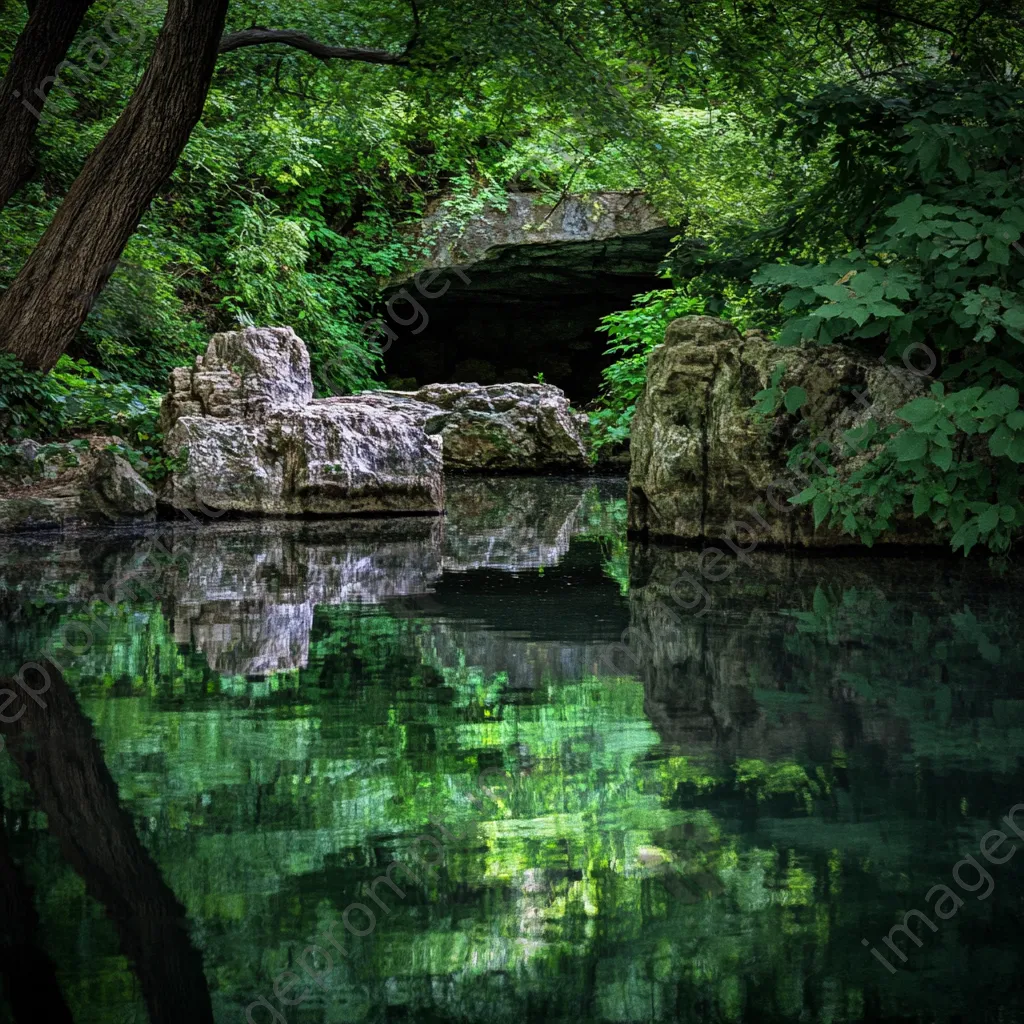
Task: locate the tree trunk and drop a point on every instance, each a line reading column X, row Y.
column 42, row 45
column 49, row 300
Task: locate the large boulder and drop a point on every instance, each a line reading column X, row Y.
column 336, row 457
column 503, row 428
column 704, row 467
column 252, row 439
column 73, row 485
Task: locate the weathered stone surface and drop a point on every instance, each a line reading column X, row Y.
column 336, row 457
column 248, row 374
column 253, row 440
column 73, row 487
column 120, row 489
column 703, row 467
column 505, row 428
column 530, row 219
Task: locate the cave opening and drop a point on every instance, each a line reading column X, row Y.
column 525, row 310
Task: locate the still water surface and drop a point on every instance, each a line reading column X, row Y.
column 681, row 816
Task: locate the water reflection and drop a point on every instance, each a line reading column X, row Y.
column 699, row 824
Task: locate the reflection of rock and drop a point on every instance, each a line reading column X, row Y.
column 254, row 442
column 727, row 669
column 243, row 592
column 701, row 462
column 526, row 662
column 521, row 428
column 505, row 523
column 245, row 598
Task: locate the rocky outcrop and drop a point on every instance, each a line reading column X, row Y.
column 73, row 485
column 505, row 428
column 531, row 219
column 245, row 375
column 253, row 440
column 520, row 286
column 704, row 467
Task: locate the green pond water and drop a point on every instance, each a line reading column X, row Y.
column 601, row 794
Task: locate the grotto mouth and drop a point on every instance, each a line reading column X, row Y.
column 524, row 310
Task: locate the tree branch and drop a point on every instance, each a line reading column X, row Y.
column 301, row 41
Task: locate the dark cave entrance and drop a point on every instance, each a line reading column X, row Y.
column 524, row 310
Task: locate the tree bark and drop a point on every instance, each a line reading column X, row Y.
column 301, row 41
column 41, row 47
column 49, row 300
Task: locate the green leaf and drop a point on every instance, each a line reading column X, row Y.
column 999, row 442
column 796, row 398
column 1015, row 449
column 920, row 410
column 821, row 508
column 1000, row 401
column 910, row 446
column 942, row 457
column 804, row 496
column 989, row 520
column 922, row 501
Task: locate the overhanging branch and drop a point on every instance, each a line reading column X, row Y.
column 301, row 41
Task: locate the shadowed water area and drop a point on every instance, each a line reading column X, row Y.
column 634, row 810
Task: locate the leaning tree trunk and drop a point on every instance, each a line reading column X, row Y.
column 51, row 297
column 42, row 45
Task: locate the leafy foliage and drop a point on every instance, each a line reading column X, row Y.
column 956, row 462
column 75, row 398
column 934, row 280
column 862, row 161
column 633, row 333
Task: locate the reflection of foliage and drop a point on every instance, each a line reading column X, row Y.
column 922, row 664
column 766, row 780
column 606, row 523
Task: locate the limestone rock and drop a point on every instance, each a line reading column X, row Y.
column 119, row 489
column 254, row 440
column 504, row 428
column 333, row 457
column 531, row 219
column 247, row 374
column 73, row 485
column 702, row 467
